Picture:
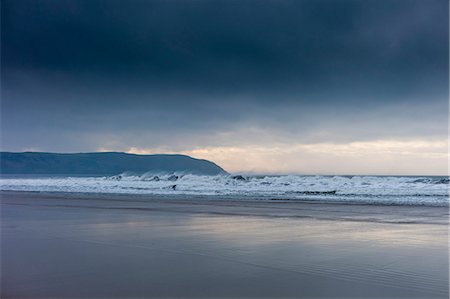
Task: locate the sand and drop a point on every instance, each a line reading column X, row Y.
column 92, row 246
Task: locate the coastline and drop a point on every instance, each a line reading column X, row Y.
column 116, row 245
column 242, row 206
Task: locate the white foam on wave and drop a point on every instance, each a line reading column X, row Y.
column 368, row 189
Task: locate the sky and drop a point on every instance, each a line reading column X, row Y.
column 271, row 86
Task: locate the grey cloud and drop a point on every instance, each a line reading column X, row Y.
column 152, row 73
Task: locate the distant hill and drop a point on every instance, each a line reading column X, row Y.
column 108, row 163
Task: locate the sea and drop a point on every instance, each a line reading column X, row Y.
column 381, row 190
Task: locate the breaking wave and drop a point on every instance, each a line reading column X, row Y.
column 365, row 189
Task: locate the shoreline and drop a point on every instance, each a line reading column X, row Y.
column 232, row 206
column 218, row 197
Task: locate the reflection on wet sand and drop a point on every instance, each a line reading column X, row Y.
column 90, row 247
column 287, row 229
column 406, row 256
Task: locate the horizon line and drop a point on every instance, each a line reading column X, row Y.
column 242, row 172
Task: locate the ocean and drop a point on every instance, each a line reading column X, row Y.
column 385, row 190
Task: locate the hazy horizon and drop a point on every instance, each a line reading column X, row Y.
column 253, row 172
column 275, row 87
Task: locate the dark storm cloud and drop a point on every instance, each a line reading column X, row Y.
column 171, row 68
column 231, row 43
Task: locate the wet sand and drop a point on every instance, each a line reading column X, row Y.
column 92, row 246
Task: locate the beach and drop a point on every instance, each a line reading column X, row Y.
column 73, row 245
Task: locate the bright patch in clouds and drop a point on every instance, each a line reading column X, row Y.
column 372, row 157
